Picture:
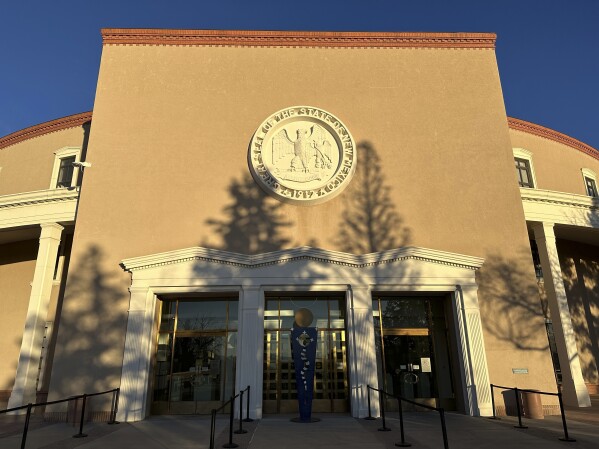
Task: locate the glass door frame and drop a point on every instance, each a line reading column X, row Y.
column 427, row 331
column 334, row 404
column 175, row 333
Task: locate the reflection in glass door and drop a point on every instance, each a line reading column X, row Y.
column 331, row 381
column 194, row 368
column 412, row 345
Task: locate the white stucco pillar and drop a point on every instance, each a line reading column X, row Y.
column 471, row 346
column 137, row 355
column 574, row 388
column 362, row 350
column 24, row 390
column 250, row 346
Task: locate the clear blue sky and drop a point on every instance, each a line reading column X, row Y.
column 547, row 50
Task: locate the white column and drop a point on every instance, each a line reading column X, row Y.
column 250, row 346
column 362, row 350
column 24, row 390
column 137, row 355
column 474, row 369
column 574, row 388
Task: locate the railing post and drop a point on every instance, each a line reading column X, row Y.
column 240, row 430
column 81, row 434
column 247, row 409
column 443, row 428
column 493, row 402
column 402, row 443
column 230, row 444
column 212, row 428
column 561, row 409
column 370, row 417
column 26, row 427
column 519, row 426
column 382, row 399
column 114, row 407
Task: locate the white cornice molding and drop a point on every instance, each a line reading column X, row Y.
column 37, row 197
column 561, row 198
column 42, row 206
column 561, row 208
column 301, row 253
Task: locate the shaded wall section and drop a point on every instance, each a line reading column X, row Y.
column 17, row 265
column 580, row 270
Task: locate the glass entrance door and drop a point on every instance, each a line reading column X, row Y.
column 194, row 369
column 412, row 343
column 331, row 390
column 404, row 370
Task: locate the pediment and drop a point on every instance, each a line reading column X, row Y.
column 304, row 253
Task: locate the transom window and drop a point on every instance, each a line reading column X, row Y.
column 524, row 173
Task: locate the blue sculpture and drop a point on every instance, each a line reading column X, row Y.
column 303, row 346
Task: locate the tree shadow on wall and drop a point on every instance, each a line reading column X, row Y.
column 370, row 222
column 511, row 301
column 253, row 222
column 581, row 281
column 89, row 353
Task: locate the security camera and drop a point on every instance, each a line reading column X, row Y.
column 82, row 164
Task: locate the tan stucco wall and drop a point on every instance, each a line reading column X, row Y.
column 27, row 165
column 557, row 166
column 169, row 145
column 580, row 269
column 17, row 264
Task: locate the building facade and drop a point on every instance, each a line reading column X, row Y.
column 227, row 179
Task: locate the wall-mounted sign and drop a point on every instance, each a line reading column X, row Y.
column 302, row 155
column 520, row 370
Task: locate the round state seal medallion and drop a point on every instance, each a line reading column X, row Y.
column 302, row 155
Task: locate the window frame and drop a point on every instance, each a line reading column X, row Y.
column 525, row 155
column 59, row 155
column 587, row 173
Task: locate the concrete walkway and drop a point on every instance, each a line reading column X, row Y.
column 422, row 430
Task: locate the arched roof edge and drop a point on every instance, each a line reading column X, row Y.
column 70, row 121
column 551, row 134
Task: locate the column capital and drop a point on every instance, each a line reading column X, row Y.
column 543, row 229
column 138, row 299
column 469, row 296
column 51, row 230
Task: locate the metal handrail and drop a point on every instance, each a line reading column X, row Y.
column 399, row 398
column 518, row 409
column 113, row 410
column 231, row 401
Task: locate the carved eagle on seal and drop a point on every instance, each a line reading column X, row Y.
column 310, row 150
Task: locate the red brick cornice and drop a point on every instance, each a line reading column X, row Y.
column 547, row 133
column 246, row 38
column 70, row 121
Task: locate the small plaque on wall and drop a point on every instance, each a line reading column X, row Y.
column 426, row 364
column 520, row 370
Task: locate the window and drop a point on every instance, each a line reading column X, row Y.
column 64, row 175
column 65, row 172
column 590, row 182
column 524, row 168
column 524, row 174
column 591, row 187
